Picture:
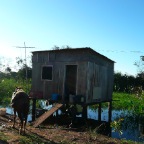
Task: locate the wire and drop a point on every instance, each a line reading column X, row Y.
column 122, row 51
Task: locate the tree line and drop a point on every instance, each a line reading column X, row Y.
column 125, row 83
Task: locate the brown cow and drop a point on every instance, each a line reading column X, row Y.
column 20, row 104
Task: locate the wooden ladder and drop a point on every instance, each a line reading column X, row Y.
column 44, row 116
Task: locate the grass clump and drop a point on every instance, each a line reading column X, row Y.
column 3, row 137
column 32, row 139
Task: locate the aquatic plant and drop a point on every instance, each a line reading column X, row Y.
column 117, row 126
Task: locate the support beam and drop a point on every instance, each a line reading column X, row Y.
column 109, row 111
column 84, row 112
column 33, row 109
column 99, row 112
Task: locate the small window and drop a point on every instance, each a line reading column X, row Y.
column 47, row 72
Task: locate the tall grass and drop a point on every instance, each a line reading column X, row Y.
column 124, row 101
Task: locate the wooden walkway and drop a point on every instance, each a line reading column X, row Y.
column 46, row 115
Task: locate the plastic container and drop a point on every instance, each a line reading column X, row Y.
column 71, row 98
column 55, row 97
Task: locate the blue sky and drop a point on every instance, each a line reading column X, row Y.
column 114, row 28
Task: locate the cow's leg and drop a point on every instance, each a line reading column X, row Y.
column 14, row 118
column 24, row 125
column 21, row 121
column 25, row 121
column 25, row 116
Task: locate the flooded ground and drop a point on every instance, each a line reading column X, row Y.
column 132, row 125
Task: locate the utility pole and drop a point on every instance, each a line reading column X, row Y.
column 25, row 56
column 25, row 59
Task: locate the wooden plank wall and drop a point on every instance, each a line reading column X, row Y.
column 99, row 82
column 94, row 79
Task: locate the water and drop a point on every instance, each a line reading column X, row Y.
column 131, row 124
column 9, row 110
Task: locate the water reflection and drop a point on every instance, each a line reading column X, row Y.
column 132, row 125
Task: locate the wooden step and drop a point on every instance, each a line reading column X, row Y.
column 46, row 115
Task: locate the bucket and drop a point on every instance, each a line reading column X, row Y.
column 55, row 97
column 71, row 98
column 82, row 99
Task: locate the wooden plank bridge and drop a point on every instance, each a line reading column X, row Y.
column 46, row 115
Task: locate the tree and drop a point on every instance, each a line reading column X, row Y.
column 125, row 83
column 8, row 70
column 140, row 65
column 22, row 69
column 55, row 47
column 22, row 72
column 140, row 75
column 59, row 48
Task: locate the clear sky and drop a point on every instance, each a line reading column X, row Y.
column 114, row 28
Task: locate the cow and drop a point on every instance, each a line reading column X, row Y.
column 20, row 104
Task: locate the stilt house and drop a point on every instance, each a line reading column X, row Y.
column 76, row 75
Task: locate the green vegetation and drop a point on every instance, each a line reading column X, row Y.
column 31, row 139
column 9, row 80
column 125, row 83
column 3, row 137
column 124, row 101
column 7, row 86
column 117, row 125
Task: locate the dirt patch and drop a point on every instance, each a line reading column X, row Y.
column 50, row 133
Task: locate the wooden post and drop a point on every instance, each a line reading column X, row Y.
column 33, row 109
column 99, row 112
column 110, row 111
column 84, row 112
column 109, row 130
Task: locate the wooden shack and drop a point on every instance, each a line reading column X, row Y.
column 77, row 74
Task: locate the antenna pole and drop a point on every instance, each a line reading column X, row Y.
column 25, row 57
column 25, row 61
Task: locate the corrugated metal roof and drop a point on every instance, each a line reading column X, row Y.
column 88, row 49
